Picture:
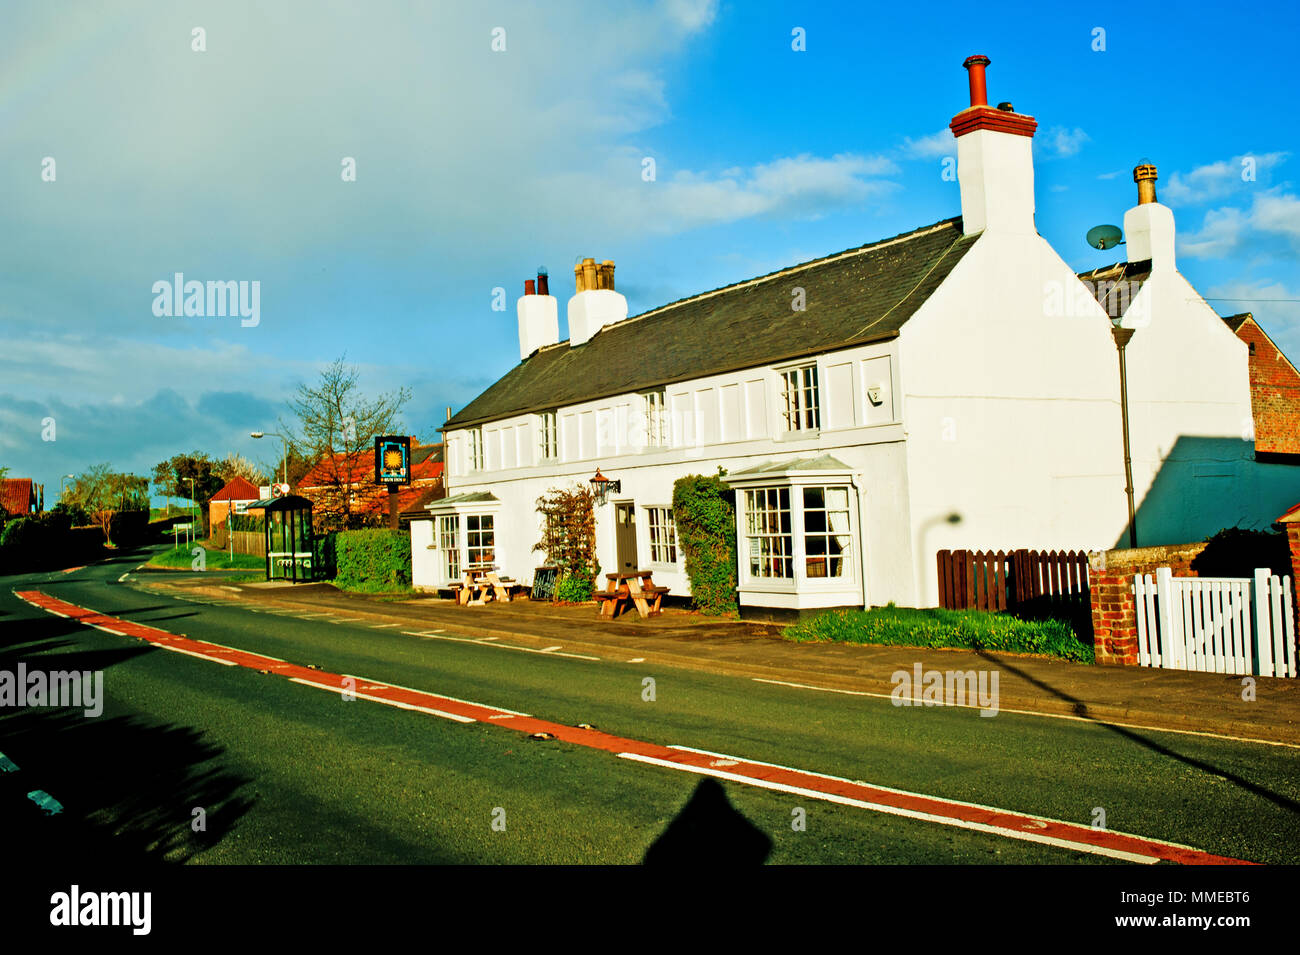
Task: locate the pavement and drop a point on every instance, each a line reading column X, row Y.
column 1138, row 696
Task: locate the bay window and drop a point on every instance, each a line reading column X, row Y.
column 767, row 532
column 448, row 541
column 480, row 540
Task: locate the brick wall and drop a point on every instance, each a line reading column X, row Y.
column 1293, row 541
column 1110, row 580
column 1274, row 393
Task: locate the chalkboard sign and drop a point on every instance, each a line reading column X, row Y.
column 543, row 583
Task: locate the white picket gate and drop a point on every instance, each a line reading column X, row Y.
column 1216, row 624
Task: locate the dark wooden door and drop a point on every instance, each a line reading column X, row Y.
column 625, row 537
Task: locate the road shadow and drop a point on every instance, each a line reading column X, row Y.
column 709, row 830
column 1080, row 708
column 128, row 784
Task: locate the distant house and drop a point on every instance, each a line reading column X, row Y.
column 234, row 498
column 368, row 499
column 1274, row 393
column 20, row 496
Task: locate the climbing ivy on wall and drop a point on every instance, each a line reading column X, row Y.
column 704, row 509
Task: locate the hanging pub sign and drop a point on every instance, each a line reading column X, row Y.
column 393, row 460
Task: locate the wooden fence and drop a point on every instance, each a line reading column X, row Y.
column 249, row 542
column 1018, row 581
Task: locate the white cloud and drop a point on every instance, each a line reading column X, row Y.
column 691, row 15
column 800, row 187
column 1220, row 233
column 933, row 146
column 1271, row 215
column 1061, row 141
column 1218, row 179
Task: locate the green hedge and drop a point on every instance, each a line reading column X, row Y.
column 375, row 560
column 47, row 542
column 704, row 510
column 128, row 528
column 965, row 629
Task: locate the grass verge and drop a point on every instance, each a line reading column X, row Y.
column 933, row 627
column 182, row 558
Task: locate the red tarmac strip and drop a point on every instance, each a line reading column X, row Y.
column 944, row 811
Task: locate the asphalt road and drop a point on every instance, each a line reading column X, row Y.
column 283, row 773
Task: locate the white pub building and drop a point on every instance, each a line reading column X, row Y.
column 955, row 386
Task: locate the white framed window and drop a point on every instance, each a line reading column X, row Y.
column 663, row 535
column 548, row 437
column 474, row 448
column 656, row 419
column 480, row 540
column 448, row 541
column 826, row 535
column 800, row 406
column 768, row 535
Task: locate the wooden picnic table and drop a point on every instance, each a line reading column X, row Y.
column 636, row 589
column 481, row 584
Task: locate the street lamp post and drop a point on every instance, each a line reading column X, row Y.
column 263, row 434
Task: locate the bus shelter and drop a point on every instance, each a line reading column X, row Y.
column 289, row 542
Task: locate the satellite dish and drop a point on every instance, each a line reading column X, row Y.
column 1105, row 236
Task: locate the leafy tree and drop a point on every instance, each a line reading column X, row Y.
column 101, row 492
column 193, row 476
column 336, row 428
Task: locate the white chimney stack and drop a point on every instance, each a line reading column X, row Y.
column 595, row 304
column 995, row 161
column 1149, row 226
column 539, row 316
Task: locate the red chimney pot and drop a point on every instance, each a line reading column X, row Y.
column 975, row 68
column 543, row 284
column 529, row 288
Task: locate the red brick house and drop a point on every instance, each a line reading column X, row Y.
column 367, row 498
column 1274, row 393
column 20, row 497
column 233, row 498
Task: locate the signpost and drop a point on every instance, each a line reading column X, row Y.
column 393, row 468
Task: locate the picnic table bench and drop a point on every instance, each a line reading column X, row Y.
column 479, row 585
column 636, row 589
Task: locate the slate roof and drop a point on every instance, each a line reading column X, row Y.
column 1118, row 284
column 857, row 296
column 1236, row 321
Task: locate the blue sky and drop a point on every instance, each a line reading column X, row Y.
column 476, row 166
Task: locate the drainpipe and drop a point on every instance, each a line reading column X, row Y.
column 1122, row 336
column 858, row 491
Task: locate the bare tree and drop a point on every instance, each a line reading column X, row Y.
column 336, row 428
column 235, row 465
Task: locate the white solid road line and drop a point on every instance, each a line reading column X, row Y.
column 486, row 642
column 1096, row 721
column 199, row 656
column 379, row 699
column 124, row 576
column 895, row 811
column 383, row 626
column 558, row 646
